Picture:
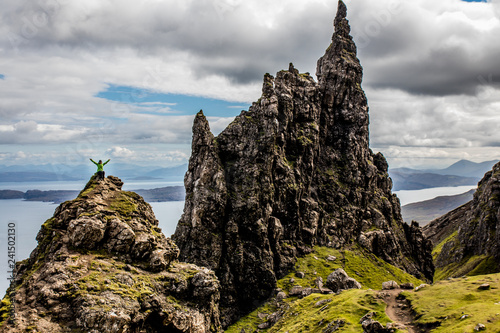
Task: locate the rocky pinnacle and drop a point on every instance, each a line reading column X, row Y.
column 102, row 264
column 293, row 172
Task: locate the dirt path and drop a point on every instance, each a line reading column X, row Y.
column 398, row 310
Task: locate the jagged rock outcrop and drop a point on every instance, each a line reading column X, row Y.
column 292, row 172
column 467, row 239
column 103, row 265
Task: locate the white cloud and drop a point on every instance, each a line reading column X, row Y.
column 152, row 156
column 432, row 72
column 120, row 152
column 31, row 132
column 397, row 118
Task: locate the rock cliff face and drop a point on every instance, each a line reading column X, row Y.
column 103, row 265
column 467, row 238
column 292, row 172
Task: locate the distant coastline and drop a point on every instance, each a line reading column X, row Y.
column 162, row 194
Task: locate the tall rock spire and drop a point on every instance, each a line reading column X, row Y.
column 206, row 186
column 298, row 173
column 340, row 74
column 340, row 22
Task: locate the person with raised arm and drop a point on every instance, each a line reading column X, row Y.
column 100, row 168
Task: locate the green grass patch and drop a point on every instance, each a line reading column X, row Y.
column 124, row 204
column 350, row 306
column 98, row 282
column 487, row 266
column 315, row 312
column 5, row 308
column 474, row 265
column 366, row 268
column 250, row 322
column 89, row 187
column 446, row 303
column 302, row 315
column 437, row 249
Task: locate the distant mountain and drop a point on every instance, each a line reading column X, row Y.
column 45, row 172
column 11, row 194
column 34, row 176
column 460, row 173
column 169, row 193
column 62, row 172
column 462, row 168
column 418, row 181
column 425, row 211
column 466, row 168
column 172, row 173
column 55, row 196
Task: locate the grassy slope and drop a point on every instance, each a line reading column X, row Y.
column 447, row 301
column 474, row 265
column 303, row 315
column 442, row 304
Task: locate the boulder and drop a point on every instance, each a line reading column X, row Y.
column 484, row 286
column 319, row 282
column 322, row 302
column 407, row 285
column 86, row 232
column 295, row 291
column 373, row 326
column 388, row 285
column 422, row 286
column 334, row 326
column 480, row 327
column 281, row 296
column 367, row 316
column 339, row 280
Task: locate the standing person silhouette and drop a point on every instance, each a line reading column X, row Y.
column 100, row 168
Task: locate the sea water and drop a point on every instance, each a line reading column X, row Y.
column 407, row 196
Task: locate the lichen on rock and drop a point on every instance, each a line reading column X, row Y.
column 102, row 264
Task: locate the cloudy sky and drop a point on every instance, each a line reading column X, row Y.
column 123, row 79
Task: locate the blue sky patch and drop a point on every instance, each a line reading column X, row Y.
column 475, row 0
column 2, row 76
column 174, row 104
